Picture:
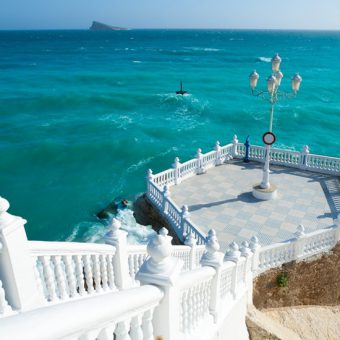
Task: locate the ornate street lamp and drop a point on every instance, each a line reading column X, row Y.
column 266, row 190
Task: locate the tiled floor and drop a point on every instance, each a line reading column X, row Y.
column 222, row 199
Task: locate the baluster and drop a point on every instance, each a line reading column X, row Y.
column 49, row 277
column 96, row 273
column 135, row 263
column 4, row 306
column 71, row 279
column 38, row 278
column 88, row 274
column 122, row 330
column 191, row 309
column 60, row 277
column 131, row 267
column 136, row 332
column 110, row 272
column 147, row 325
column 184, row 321
column 107, row 333
column 103, row 271
column 80, row 275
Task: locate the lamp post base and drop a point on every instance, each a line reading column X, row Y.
column 265, row 194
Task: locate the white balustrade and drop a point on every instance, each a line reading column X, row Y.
column 324, row 164
column 188, row 169
column 67, row 270
column 116, row 315
column 195, row 295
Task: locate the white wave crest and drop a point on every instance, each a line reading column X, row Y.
column 265, row 59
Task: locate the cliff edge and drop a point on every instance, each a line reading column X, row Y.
column 98, row 26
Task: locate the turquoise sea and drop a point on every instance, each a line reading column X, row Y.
column 84, row 114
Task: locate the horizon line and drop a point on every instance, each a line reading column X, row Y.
column 177, row 28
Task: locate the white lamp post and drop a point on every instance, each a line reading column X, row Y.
column 266, row 190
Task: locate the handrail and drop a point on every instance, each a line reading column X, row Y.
column 70, row 318
column 38, row 248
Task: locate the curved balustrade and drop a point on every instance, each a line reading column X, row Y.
column 325, row 164
column 227, row 272
column 195, row 294
column 275, row 255
column 68, row 270
column 122, row 315
column 164, row 178
column 155, row 194
column 188, row 169
column 209, row 159
column 318, row 241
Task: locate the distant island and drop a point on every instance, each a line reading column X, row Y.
column 98, row 26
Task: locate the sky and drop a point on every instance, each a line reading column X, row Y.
column 258, row 14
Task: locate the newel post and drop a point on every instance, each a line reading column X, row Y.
column 233, row 254
column 200, row 166
column 248, row 274
column 184, row 216
column 304, row 156
column 166, row 194
column 234, row 149
column 191, row 242
column 213, row 258
column 254, row 246
column 163, row 270
column 149, row 178
column 299, row 241
column 218, row 160
column 176, row 166
column 118, row 239
column 16, row 263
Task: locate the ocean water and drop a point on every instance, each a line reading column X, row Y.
column 84, row 114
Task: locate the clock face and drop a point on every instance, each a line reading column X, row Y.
column 269, row 138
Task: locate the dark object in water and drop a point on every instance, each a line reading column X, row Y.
column 181, row 90
column 112, row 209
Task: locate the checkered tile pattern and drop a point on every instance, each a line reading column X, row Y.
column 222, row 199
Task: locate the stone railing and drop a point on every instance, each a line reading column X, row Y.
column 121, row 315
column 69, row 270
column 299, row 247
column 158, row 184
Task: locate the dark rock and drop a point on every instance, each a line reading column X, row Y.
column 146, row 214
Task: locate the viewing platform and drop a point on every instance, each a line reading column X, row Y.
column 220, row 196
column 222, row 199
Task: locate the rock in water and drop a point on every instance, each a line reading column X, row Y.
column 98, row 26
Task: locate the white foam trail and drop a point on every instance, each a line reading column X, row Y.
column 265, row 59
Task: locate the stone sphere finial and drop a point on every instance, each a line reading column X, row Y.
column 217, row 145
column 149, row 174
column 185, row 211
column 4, row 205
column 211, row 242
column 166, row 190
column 212, row 256
column 199, row 153
column 233, row 253
column 159, row 247
column 190, row 240
column 245, row 249
column 305, row 149
column 254, row 243
column 235, row 140
column 300, row 231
